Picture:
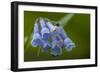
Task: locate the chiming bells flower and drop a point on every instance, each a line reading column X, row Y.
column 55, row 50
column 44, row 31
column 56, row 46
column 69, row 44
column 62, row 35
column 37, row 38
column 51, row 36
column 67, row 41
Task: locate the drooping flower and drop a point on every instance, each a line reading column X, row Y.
column 51, row 36
column 44, row 31
column 67, row 41
column 64, row 39
column 56, row 45
column 40, row 38
column 36, row 40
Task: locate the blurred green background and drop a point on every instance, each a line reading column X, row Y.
column 77, row 28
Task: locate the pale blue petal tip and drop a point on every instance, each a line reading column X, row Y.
column 38, row 42
column 55, row 50
column 69, row 45
column 33, row 44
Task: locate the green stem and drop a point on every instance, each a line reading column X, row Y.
column 38, row 53
column 64, row 20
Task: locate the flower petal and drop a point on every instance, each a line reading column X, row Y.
column 69, row 44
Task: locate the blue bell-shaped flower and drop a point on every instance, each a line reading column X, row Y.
column 69, row 44
column 44, row 31
column 46, row 35
column 50, row 26
column 55, row 50
column 56, row 44
column 36, row 40
column 67, row 41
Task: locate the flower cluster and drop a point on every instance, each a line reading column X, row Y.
column 49, row 36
